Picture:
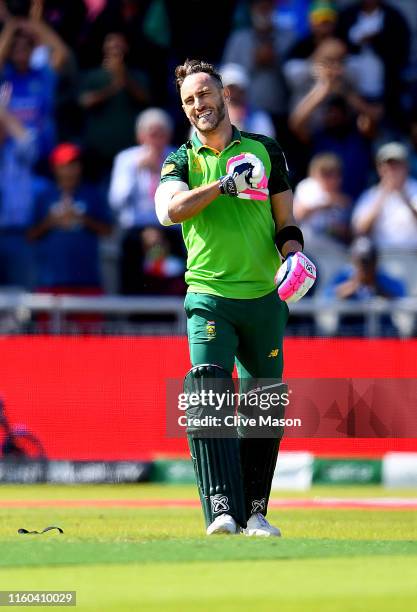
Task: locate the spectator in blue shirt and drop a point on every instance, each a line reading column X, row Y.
column 32, row 89
column 68, row 219
column 17, row 154
column 363, row 280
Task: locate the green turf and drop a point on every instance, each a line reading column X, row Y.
column 157, row 559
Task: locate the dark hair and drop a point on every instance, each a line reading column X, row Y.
column 193, row 67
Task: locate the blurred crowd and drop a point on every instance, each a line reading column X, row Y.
column 88, row 112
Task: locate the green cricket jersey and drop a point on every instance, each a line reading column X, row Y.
column 230, row 244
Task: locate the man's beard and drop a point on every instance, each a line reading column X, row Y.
column 218, row 114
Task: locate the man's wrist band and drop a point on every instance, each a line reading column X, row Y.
column 228, row 185
column 290, row 232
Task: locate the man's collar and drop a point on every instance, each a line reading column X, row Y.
column 198, row 145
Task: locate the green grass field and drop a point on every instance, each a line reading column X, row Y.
column 158, row 558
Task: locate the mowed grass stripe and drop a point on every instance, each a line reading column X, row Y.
column 362, row 584
column 149, row 491
column 38, row 552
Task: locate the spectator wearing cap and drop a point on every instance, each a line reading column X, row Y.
column 322, row 17
column 242, row 115
column 320, row 206
column 387, row 212
column 134, row 179
column 69, row 217
column 363, row 279
column 17, row 155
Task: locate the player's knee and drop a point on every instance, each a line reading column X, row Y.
column 210, row 394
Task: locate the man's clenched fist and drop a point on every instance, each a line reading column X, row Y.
column 245, row 178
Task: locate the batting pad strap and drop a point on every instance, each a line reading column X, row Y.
column 290, row 232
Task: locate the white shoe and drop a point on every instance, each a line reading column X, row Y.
column 223, row 524
column 258, row 526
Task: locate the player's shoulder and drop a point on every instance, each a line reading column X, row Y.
column 175, row 166
column 269, row 142
column 179, row 154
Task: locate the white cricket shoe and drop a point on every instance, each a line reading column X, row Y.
column 258, row 526
column 223, row 524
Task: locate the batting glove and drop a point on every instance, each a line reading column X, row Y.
column 295, row 277
column 234, row 183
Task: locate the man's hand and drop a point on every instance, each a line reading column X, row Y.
column 65, row 214
column 246, row 178
column 295, row 277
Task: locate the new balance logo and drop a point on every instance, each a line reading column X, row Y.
column 219, row 503
column 258, row 505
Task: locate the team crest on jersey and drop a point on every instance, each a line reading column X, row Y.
column 274, row 353
column 167, row 169
column 219, row 503
column 211, row 329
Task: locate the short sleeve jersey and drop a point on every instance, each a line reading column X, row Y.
column 230, row 244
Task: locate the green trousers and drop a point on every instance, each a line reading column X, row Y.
column 223, row 331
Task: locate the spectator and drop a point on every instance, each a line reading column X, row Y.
column 68, row 218
column 259, row 50
column 328, row 77
column 323, row 19
column 17, row 154
column 243, row 116
column 387, row 212
column 135, row 177
column 332, row 117
column 33, row 89
column 111, row 97
column 363, row 279
column 319, row 204
column 147, row 30
column 378, row 34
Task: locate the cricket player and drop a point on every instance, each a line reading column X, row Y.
column 230, row 192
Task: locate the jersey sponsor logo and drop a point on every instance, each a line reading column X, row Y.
column 211, row 329
column 274, row 353
column 219, row 503
column 167, row 169
column 258, row 505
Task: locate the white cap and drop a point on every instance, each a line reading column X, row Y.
column 234, row 74
column 392, row 150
